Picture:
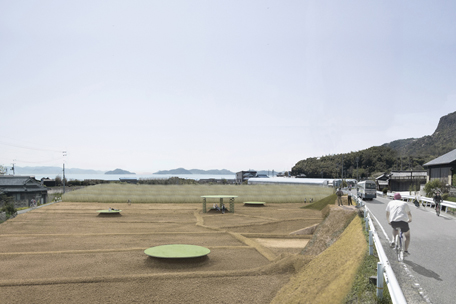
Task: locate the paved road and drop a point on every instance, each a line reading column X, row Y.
column 428, row 275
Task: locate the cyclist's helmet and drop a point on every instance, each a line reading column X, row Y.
column 397, row 196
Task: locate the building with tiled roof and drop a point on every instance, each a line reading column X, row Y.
column 442, row 168
column 401, row 180
column 23, row 189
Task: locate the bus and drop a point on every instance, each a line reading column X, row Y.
column 367, row 189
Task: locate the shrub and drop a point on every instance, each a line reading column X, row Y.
column 431, row 186
column 450, row 198
column 8, row 205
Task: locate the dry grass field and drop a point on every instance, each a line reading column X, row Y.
column 67, row 253
column 165, row 194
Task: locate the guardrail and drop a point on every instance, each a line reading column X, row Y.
column 423, row 200
column 384, row 270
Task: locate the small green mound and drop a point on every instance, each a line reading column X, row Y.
column 319, row 205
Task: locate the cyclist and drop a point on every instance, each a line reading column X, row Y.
column 398, row 215
column 437, row 200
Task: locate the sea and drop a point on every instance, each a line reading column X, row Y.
column 116, row 177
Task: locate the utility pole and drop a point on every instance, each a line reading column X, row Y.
column 411, row 176
column 14, row 172
column 357, row 172
column 342, row 168
column 63, row 179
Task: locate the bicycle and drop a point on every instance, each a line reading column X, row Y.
column 437, row 208
column 400, row 244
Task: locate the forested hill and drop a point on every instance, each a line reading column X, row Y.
column 400, row 154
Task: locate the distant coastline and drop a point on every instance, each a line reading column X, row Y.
column 54, row 171
column 117, row 177
column 195, row 171
column 58, row 170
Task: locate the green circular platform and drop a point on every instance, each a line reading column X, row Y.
column 177, row 251
column 107, row 211
column 254, row 203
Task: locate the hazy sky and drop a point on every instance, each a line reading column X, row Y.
column 155, row 85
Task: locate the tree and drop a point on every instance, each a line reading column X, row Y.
column 2, row 170
column 58, row 180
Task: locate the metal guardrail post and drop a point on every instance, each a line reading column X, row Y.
column 393, row 286
column 379, row 280
column 371, row 243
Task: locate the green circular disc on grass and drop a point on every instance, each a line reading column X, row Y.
column 108, row 211
column 177, row 251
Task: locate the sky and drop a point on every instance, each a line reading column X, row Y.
column 230, row 84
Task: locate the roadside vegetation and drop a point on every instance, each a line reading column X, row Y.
column 433, row 185
column 321, row 204
column 437, row 184
column 121, row 193
column 7, row 206
column 363, row 289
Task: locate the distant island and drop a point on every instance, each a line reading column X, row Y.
column 195, row 171
column 119, row 171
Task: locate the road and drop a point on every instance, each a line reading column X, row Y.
column 428, row 274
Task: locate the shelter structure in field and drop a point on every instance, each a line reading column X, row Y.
column 443, row 168
column 23, row 189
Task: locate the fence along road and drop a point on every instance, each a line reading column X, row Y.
column 385, row 273
column 428, row 274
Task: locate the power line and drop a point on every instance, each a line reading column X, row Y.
column 30, row 148
column 38, row 162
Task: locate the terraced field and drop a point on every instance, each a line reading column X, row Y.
column 67, row 253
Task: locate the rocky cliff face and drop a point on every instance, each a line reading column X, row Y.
column 442, row 141
column 447, row 124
